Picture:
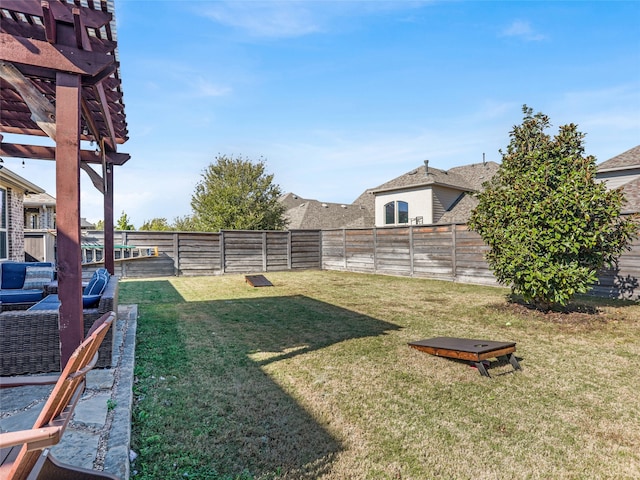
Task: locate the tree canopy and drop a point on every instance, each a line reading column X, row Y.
column 124, row 223
column 549, row 224
column 237, row 194
column 156, row 224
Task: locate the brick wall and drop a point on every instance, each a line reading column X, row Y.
column 15, row 202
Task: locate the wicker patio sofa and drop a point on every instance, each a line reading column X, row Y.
column 22, row 284
column 30, row 339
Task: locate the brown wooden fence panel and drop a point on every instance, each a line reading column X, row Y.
column 333, row 250
column 277, row 251
column 306, row 249
column 360, row 250
column 433, row 252
column 622, row 280
column 198, row 253
column 243, row 251
column 393, row 251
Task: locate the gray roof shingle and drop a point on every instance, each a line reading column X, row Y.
column 628, row 159
column 466, row 178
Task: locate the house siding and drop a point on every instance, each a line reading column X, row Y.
column 443, row 198
column 618, row 178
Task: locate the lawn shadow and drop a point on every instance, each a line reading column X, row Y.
column 277, row 328
column 241, row 418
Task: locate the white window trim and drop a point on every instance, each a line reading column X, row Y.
column 396, row 213
column 4, row 220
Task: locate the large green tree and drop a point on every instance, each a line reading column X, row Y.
column 237, row 194
column 549, row 224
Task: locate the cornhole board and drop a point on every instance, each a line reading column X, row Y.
column 258, row 281
column 470, row 349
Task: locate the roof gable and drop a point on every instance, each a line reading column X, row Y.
column 624, row 161
column 14, row 180
column 467, row 178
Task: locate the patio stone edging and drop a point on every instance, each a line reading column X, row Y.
column 118, row 443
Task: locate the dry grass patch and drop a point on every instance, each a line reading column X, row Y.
column 312, row 378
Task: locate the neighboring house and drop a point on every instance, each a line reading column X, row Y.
column 624, row 171
column 427, row 196
column 12, row 192
column 303, row 213
column 39, row 211
column 86, row 225
column 423, row 196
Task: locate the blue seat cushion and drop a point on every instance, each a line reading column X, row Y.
column 97, row 283
column 90, row 301
column 17, row 295
column 52, row 302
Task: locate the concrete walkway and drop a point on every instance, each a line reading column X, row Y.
column 98, row 436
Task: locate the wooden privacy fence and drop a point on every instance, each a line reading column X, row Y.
column 200, row 253
column 447, row 252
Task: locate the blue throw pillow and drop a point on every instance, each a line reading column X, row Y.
column 97, row 284
column 37, row 277
column 90, row 301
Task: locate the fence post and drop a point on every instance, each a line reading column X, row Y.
column 124, row 236
column 375, row 250
column 222, row 262
column 411, row 251
column 344, row 246
column 289, row 250
column 264, row 251
column 454, row 265
column 176, row 254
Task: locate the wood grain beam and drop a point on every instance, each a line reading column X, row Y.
column 39, row 152
column 43, row 113
column 59, row 58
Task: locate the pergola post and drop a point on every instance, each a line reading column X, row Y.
column 68, row 94
column 59, row 78
column 109, row 262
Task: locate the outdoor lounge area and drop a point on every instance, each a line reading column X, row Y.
column 30, row 336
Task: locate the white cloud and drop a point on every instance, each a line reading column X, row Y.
column 523, row 30
column 296, row 18
column 206, row 88
column 265, row 19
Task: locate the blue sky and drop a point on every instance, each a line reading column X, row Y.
column 339, row 97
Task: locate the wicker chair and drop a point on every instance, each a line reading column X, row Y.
column 30, row 340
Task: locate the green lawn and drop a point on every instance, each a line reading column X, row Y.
column 312, row 378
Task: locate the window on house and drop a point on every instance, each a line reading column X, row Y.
column 396, row 213
column 390, row 213
column 403, row 212
column 4, row 243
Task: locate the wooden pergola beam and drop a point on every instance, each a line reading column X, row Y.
column 39, row 152
column 59, row 58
